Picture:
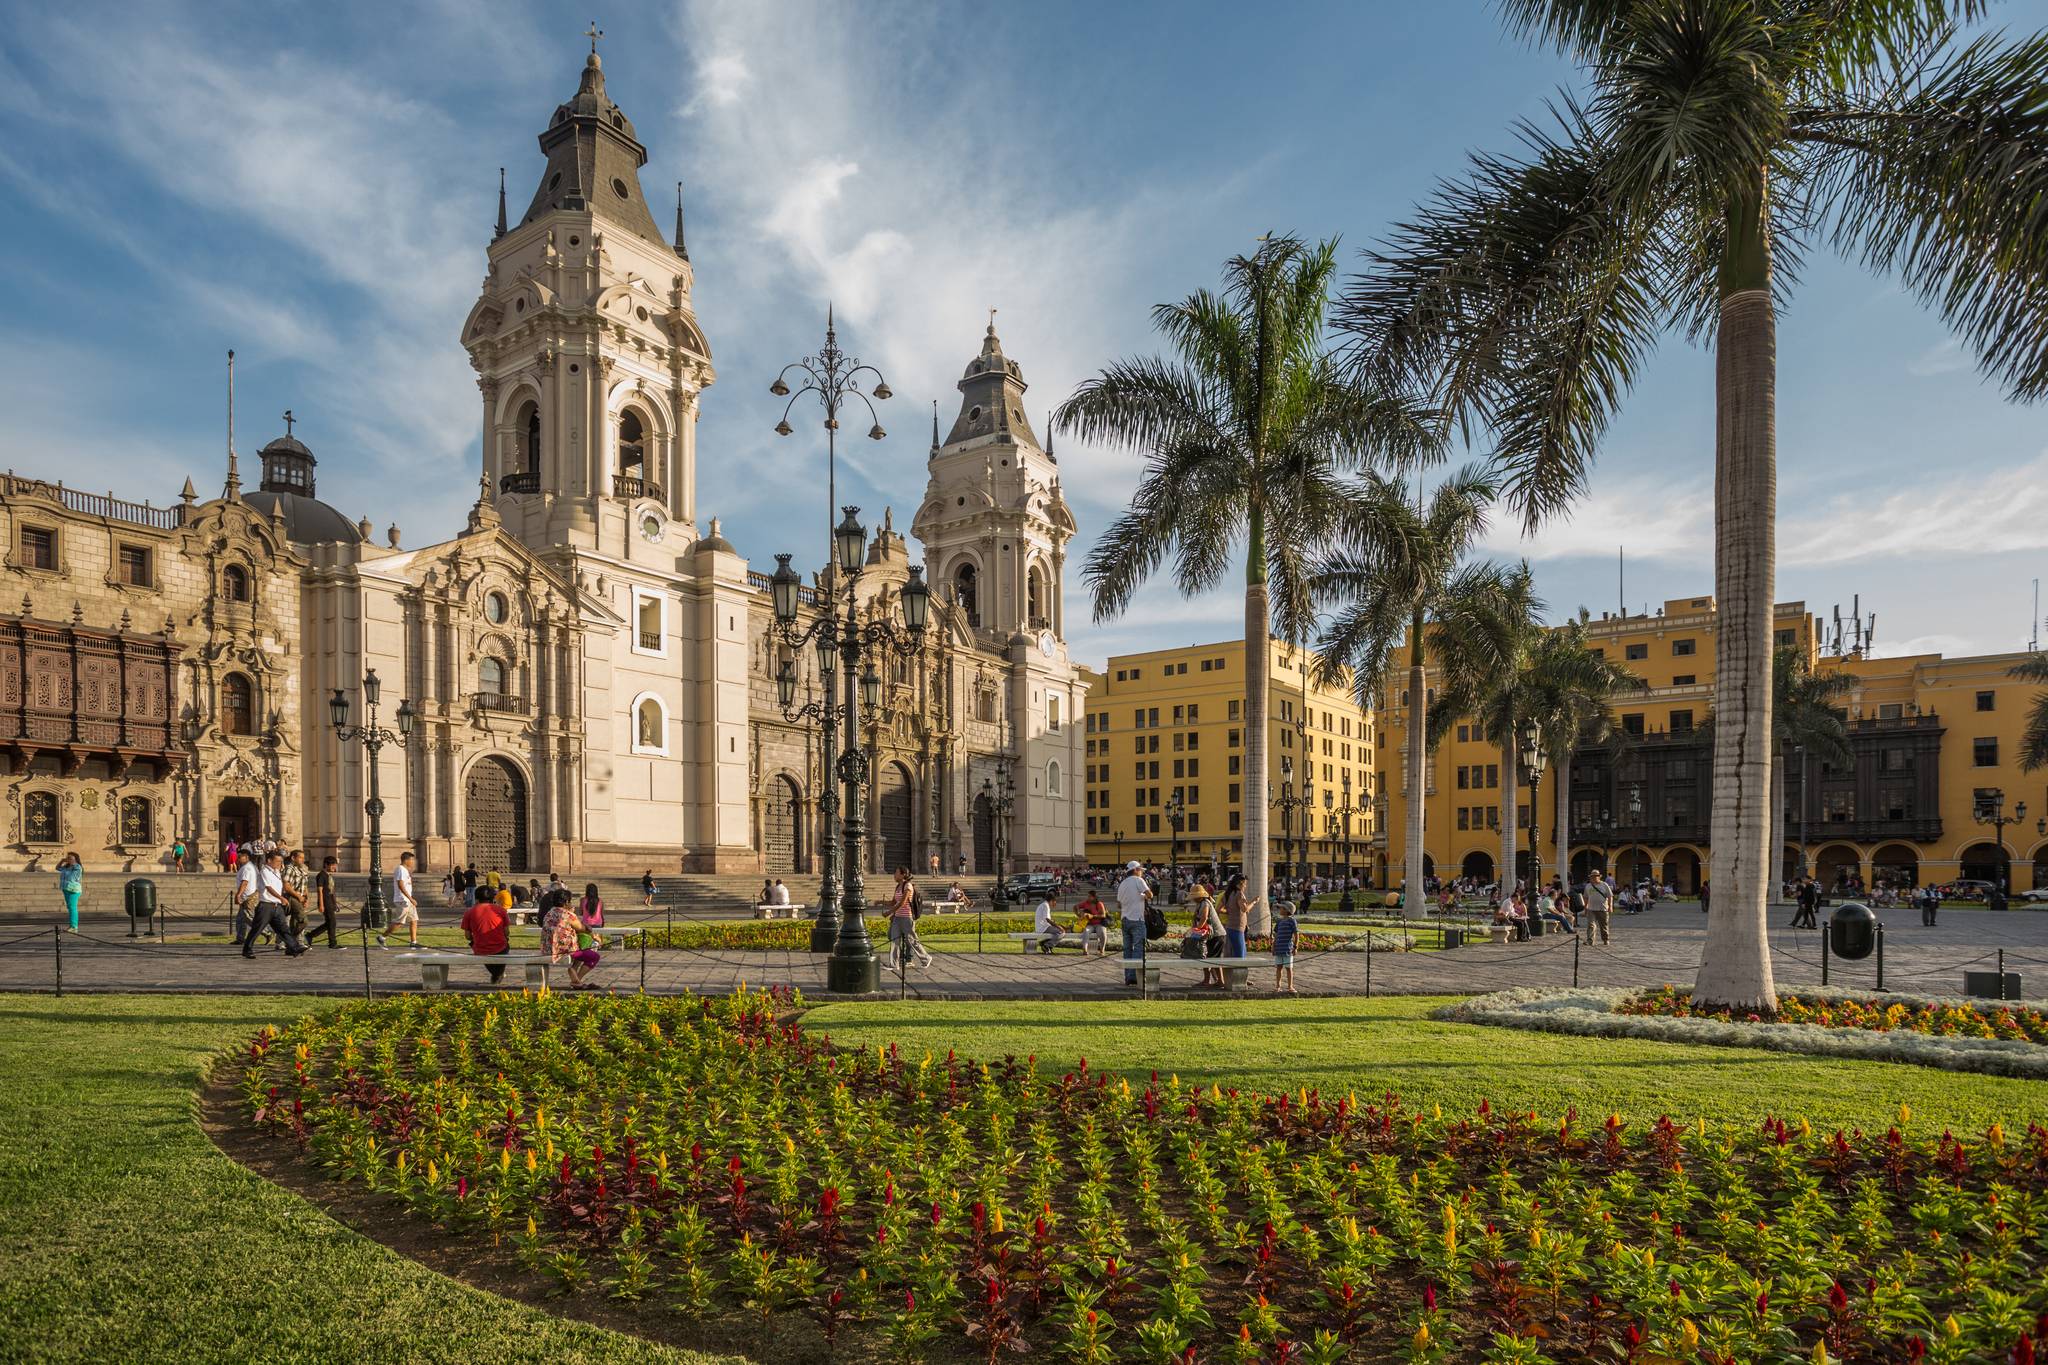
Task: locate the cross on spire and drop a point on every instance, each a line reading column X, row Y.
column 991, row 322
column 593, row 33
column 288, row 420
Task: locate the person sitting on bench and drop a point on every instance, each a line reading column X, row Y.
column 484, row 925
column 1043, row 923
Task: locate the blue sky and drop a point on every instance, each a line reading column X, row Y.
column 314, row 186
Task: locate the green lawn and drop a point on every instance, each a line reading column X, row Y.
column 1371, row 1046
column 125, row 1236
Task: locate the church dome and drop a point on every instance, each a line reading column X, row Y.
column 287, row 491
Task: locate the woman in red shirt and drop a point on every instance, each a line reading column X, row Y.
column 484, row 925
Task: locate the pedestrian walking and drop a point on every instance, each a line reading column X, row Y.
column 326, row 900
column 647, row 887
column 1807, row 901
column 565, row 939
column 1283, row 947
column 270, row 908
column 1132, row 895
column 298, row 891
column 904, row 949
column 178, row 855
column 405, row 907
column 71, row 886
column 1599, row 907
column 248, row 891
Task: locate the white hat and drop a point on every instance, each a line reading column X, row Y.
column 1134, row 866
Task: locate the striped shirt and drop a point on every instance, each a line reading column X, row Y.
column 1283, row 935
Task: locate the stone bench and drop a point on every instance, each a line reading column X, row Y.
column 434, row 966
column 1149, row 968
column 948, row 907
column 794, row 910
column 1068, row 939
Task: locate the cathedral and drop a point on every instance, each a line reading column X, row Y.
column 591, row 673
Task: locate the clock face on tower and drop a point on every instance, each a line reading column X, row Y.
column 651, row 528
column 1046, row 643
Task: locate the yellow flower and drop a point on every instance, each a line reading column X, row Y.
column 531, row 1230
column 1820, row 1353
column 433, row 1172
column 1422, row 1337
column 401, row 1159
column 530, row 1163
column 997, row 1221
column 540, row 1119
column 1689, row 1334
column 504, row 1160
column 1905, row 1113
column 1951, row 1326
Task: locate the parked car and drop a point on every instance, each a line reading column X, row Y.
column 1029, row 886
column 2039, row 893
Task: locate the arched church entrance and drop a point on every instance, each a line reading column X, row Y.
column 781, row 824
column 241, row 819
column 494, row 816
column 892, row 816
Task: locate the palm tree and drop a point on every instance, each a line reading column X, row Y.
column 1485, row 641
column 1806, row 715
column 1247, row 432
column 2034, row 739
column 1392, row 573
column 1718, row 139
column 1568, row 691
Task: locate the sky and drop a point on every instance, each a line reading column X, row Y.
column 314, row 186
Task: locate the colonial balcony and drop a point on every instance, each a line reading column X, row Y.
column 627, row 486
column 521, row 481
column 504, row 702
column 83, row 693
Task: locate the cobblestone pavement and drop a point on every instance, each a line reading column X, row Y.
column 1649, row 949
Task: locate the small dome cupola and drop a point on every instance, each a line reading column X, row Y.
column 992, row 395
column 287, row 464
column 594, row 157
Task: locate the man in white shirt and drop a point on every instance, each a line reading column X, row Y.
column 1042, row 922
column 247, row 887
column 1599, row 906
column 781, row 896
column 1132, row 895
column 404, row 908
column 270, row 903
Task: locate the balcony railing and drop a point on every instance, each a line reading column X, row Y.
column 98, row 504
column 626, row 486
column 501, row 701
column 650, row 639
column 520, row 481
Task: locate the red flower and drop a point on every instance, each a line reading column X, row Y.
column 1429, row 1298
column 1838, row 1297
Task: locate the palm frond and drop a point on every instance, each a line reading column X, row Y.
column 1943, row 179
column 2033, row 753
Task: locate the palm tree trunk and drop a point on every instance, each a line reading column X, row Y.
column 1561, row 821
column 1510, row 803
column 1735, row 963
column 1257, row 673
column 1777, row 850
column 1412, row 894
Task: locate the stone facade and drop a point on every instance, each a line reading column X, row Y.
column 592, row 675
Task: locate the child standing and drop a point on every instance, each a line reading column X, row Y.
column 1283, row 946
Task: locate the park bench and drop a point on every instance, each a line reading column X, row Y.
column 948, row 907
column 1027, row 941
column 434, row 966
column 1149, row 968
column 793, row 910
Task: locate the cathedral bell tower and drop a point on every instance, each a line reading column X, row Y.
column 994, row 524
column 587, row 350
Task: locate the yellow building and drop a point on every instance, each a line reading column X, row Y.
column 1934, row 741
column 1170, row 723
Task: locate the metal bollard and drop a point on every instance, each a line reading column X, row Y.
column 1880, row 956
column 1368, row 964
column 57, row 941
column 643, row 962
column 1575, row 957
column 1823, row 957
column 2001, row 974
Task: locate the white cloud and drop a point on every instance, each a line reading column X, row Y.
column 1952, row 511
column 722, row 79
column 1652, row 518
column 1945, row 358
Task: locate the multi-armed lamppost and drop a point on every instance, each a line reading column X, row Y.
column 1176, row 816
column 853, row 969
column 373, row 739
column 1990, row 810
column 834, row 377
column 1532, row 773
column 1289, row 802
column 1345, row 812
column 1001, row 795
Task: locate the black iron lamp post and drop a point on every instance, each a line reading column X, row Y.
column 853, row 968
column 1635, row 819
column 1532, row 773
column 1001, row 795
column 1176, row 814
column 1990, row 810
column 836, row 378
column 373, row 738
column 1118, row 839
column 1605, row 824
column 1287, row 801
column 1344, row 814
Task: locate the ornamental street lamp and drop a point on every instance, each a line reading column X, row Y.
column 1532, row 773
column 1288, row 802
column 1118, row 839
column 835, row 378
column 373, row 738
column 853, row 968
column 1799, row 753
column 1344, row 814
column 1001, row 795
column 1635, row 818
column 1176, row 814
column 1990, row 810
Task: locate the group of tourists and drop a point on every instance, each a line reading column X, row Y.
column 568, row 924
column 276, row 893
column 1592, row 903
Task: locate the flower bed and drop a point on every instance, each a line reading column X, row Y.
column 795, row 935
column 1960, row 1035
column 1951, row 1018
column 713, row 1162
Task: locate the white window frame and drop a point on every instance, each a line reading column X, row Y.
column 633, row 726
column 1052, row 712
column 641, row 595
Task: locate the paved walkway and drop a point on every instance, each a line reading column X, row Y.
column 1649, row 949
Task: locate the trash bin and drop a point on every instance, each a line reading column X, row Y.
column 139, row 897
column 1454, row 938
column 1852, row 931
